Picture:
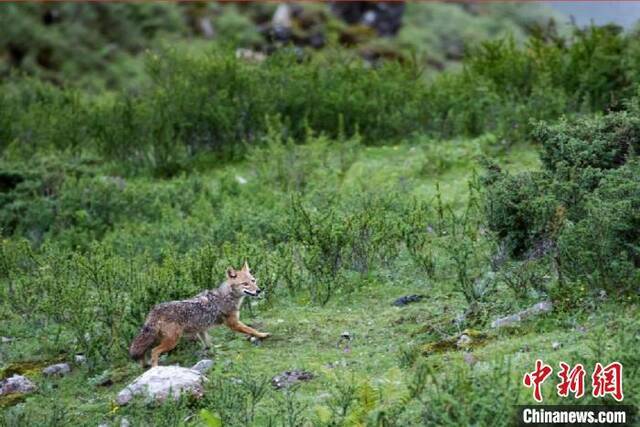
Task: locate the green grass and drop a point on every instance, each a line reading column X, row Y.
column 385, row 359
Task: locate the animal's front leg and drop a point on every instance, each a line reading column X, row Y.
column 205, row 339
column 236, row 325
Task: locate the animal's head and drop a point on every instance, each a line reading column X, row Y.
column 242, row 282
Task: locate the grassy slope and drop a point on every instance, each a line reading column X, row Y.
column 306, row 337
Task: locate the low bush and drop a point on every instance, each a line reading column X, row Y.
column 214, row 102
column 581, row 208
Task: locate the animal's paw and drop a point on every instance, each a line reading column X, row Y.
column 263, row 335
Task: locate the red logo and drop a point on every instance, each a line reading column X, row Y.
column 536, row 378
column 572, row 381
column 605, row 380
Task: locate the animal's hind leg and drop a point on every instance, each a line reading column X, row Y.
column 170, row 337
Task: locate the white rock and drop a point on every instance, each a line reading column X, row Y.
column 124, row 422
column 539, row 308
column 161, row 382
column 6, row 340
column 203, row 366
column 282, row 16
column 80, row 359
column 556, row 345
column 16, row 384
column 469, row 359
column 57, row 369
column 506, row 321
column 464, row 341
column 241, row 180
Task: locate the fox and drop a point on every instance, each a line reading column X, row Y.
column 168, row 321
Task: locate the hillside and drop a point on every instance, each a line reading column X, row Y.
column 420, row 237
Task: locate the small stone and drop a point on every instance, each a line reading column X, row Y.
column 602, row 295
column 289, row 378
column 407, row 299
column 469, row 359
column 57, row 369
column 556, row 345
column 124, row 423
column 241, row 180
column 80, row 359
column 345, row 335
column 203, row 366
column 16, row 384
column 255, row 341
column 6, row 340
column 464, row 341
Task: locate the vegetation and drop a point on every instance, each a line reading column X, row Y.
column 513, row 180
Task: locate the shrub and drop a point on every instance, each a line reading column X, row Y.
column 519, row 210
column 603, row 247
column 582, row 208
column 601, row 143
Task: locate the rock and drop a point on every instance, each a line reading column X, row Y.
column 602, row 295
column 241, row 180
column 16, row 384
column 469, row 359
column 203, row 366
column 6, row 340
column 469, row 338
column 249, row 56
column 281, row 22
column 80, row 359
column 206, row 27
column 464, row 341
column 344, row 342
column 556, row 345
column 407, row 299
column 514, row 319
column 289, row 378
column 161, row 382
column 384, row 18
column 124, row 423
column 60, row 369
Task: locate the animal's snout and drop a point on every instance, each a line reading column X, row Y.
column 258, row 290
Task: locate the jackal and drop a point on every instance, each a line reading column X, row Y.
column 168, row 321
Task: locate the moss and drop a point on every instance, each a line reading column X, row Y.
column 478, row 339
column 11, row 399
column 27, row 367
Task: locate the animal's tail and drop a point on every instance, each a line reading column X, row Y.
column 143, row 341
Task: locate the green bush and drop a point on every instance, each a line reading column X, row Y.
column 196, row 102
column 603, row 247
column 582, row 208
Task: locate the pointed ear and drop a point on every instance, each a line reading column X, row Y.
column 245, row 266
column 231, row 273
